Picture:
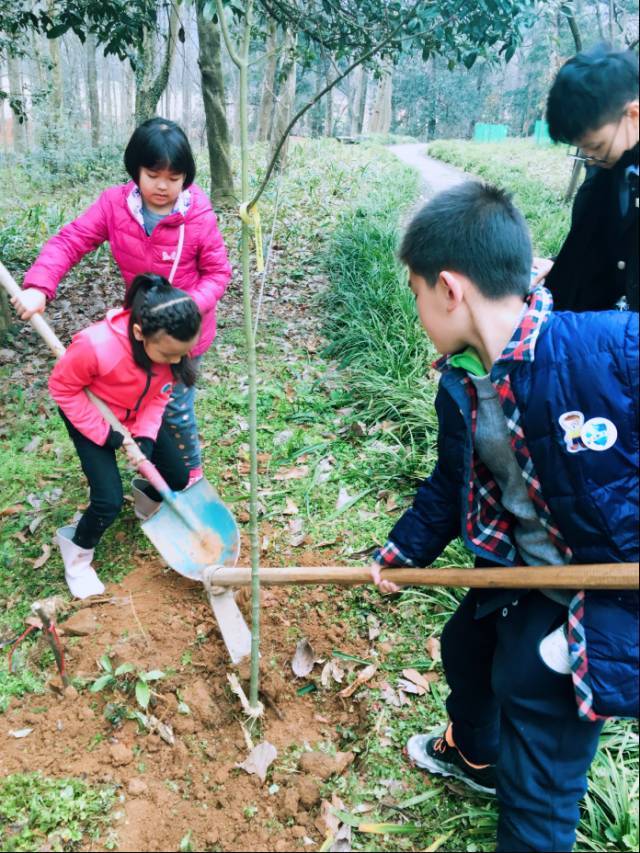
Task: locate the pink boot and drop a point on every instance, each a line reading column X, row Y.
column 194, row 475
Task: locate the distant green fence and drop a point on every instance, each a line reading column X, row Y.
column 490, row 132
column 541, row 133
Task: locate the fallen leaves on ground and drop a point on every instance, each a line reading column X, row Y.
column 362, row 677
column 259, row 760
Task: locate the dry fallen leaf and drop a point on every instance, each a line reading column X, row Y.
column 290, row 508
column 407, row 686
column 42, row 559
column 18, row 733
column 331, row 670
column 343, row 497
column 363, row 676
column 296, row 473
column 304, row 659
column 414, row 676
column 259, row 760
column 433, row 649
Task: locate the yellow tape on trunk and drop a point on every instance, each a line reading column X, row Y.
column 252, row 219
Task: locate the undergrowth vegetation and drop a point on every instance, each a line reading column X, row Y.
column 537, row 176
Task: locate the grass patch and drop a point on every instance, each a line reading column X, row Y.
column 537, row 176
column 58, row 813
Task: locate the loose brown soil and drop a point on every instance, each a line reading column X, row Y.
column 195, row 784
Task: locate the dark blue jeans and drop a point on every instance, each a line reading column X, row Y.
column 510, row 709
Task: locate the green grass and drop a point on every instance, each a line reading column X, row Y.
column 537, row 176
column 57, row 813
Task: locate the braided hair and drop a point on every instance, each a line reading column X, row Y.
column 156, row 306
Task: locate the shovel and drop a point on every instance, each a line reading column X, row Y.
column 191, row 529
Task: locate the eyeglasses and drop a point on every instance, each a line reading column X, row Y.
column 588, row 159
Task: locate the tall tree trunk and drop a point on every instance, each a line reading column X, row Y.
column 210, row 62
column 16, row 93
column 328, row 98
column 268, row 95
column 357, row 89
column 92, row 88
column 149, row 84
column 381, row 115
column 186, row 95
column 286, row 94
column 56, row 80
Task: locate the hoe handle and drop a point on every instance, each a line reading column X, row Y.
column 599, row 576
column 136, row 456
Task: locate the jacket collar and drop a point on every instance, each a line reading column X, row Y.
column 134, row 203
column 522, row 345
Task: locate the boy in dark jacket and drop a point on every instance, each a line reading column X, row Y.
column 593, row 104
column 538, row 465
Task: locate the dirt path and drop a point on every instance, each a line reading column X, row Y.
column 436, row 176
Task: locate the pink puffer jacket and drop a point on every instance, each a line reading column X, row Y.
column 100, row 358
column 187, row 244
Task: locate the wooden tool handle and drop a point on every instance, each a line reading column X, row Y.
column 600, row 576
column 136, row 456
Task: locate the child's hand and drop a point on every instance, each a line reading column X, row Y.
column 31, row 301
column 542, row 268
column 385, row 586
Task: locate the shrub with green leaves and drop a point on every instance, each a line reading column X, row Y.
column 55, row 814
column 126, row 679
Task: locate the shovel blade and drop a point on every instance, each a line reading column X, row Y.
column 234, row 630
column 178, row 544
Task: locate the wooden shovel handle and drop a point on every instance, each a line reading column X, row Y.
column 599, row 576
column 136, row 456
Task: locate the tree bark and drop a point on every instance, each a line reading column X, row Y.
column 381, row 115
column 149, row 84
column 210, row 62
column 328, row 116
column 268, row 95
column 16, row 93
column 92, row 89
column 357, row 99
column 286, row 94
column 56, row 80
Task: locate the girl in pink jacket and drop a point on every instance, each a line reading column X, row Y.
column 159, row 222
column 131, row 360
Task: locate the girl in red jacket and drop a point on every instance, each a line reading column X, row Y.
column 131, row 360
column 159, row 222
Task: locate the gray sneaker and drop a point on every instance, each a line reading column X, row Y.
column 432, row 753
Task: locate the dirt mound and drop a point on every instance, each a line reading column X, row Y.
column 156, row 619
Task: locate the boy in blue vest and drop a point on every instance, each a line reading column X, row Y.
column 538, row 465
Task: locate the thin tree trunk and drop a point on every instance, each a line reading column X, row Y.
column 381, row 116
column 56, row 80
column 210, row 62
column 150, row 85
column 356, row 90
column 16, row 93
column 328, row 116
column 286, row 95
column 92, row 89
column 268, row 95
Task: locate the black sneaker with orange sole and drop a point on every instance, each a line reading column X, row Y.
column 433, row 753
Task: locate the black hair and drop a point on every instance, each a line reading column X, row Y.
column 156, row 306
column 160, row 144
column 473, row 229
column 591, row 90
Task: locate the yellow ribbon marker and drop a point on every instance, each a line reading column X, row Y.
column 252, row 219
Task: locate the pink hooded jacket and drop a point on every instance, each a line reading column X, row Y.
column 186, row 247
column 100, row 358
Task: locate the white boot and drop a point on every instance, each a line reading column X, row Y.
column 79, row 574
column 143, row 505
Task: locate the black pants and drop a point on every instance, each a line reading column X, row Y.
column 101, row 470
column 510, row 709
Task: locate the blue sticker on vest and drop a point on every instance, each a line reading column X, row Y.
column 595, row 434
column 166, row 388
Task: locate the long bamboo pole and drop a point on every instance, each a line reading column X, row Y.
column 598, row 576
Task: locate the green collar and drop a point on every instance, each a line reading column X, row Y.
column 468, row 360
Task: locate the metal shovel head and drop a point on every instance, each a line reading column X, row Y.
column 180, row 545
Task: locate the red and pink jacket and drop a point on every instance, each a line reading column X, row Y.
column 100, row 358
column 186, row 247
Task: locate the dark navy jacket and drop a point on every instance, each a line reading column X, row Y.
column 585, row 363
